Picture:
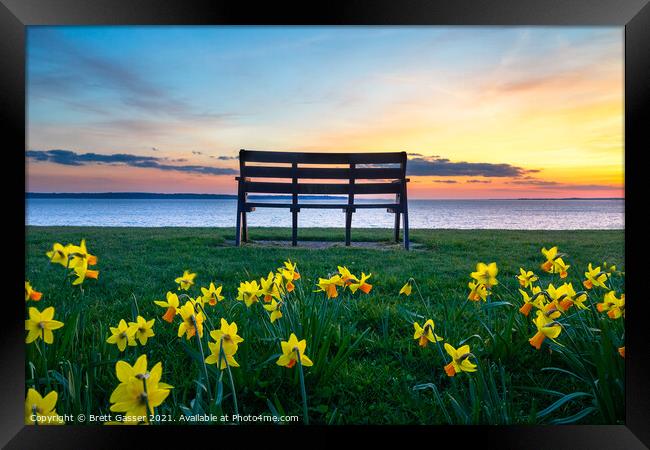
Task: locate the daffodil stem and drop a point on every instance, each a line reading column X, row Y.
column 205, row 368
column 146, row 399
column 305, row 412
column 47, row 372
column 232, row 382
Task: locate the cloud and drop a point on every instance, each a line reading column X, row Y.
column 225, row 158
column 196, row 153
column 445, row 181
column 443, row 167
column 70, row 158
column 478, row 181
column 534, row 182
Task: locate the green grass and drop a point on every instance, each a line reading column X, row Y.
column 367, row 363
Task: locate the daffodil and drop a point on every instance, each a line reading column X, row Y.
column 526, row 278
column 215, row 355
column 212, row 295
column 192, row 321
column 609, row 268
column 40, row 325
column 31, row 294
column 561, row 267
column 621, row 351
column 486, row 274
column 131, row 396
column 290, row 273
column 347, row 277
column 79, row 255
column 595, row 277
column 529, row 302
column 550, row 255
column 546, row 328
column 172, row 306
column 614, row 306
column 477, row 291
column 274, row 309
column 361, row 284
column 228, row 334
column 570, row 297
column 186, row 281
column 122, row 335
column 406, row 289
column 328, row 285
column 459, row 360
column 290, row 351
column 37, row 406
column 58, row 254
column 249, row 292
column 143, row 329
column 82, row 272
column 269, row 288
column 425, row 334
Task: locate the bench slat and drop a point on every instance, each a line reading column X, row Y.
column 323, row 206
column 321, row 158
column 316, row 188
column 323, row 173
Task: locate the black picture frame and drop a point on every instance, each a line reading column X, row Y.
column 633, row 15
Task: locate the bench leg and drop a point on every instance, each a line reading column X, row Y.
column 406, row 229
column 244, row 227
column 294, row 228
column 238, row 228
column 397, row 226
column 348, row 226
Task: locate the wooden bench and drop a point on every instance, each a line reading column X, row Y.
column 389, row 179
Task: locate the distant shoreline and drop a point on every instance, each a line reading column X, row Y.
column 184, row 196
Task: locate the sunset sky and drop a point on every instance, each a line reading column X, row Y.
column 485, row 112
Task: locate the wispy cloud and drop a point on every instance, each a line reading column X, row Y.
column 443, row 167
column 70, row 158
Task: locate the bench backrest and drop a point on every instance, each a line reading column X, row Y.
column 360, row 166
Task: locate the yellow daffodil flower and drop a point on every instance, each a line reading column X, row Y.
column 526, row 278
column 228, row 334
column 172, row 306
column 347, row 277
column 212, row 295
column 608, row 268
column 614, row 306
column 143, row 329
column 550, row 255
column 186, row 281
column 621, row 351
column 459, row 360
column 546, row 328
column 130, row 396
column 290, row 350
column 274, row 309
column 425, row 334
column 82, row 272
column 559, row 266
column 570, row 297
column 477, row 291
column 529, row 302
column 228, row 352
column 249, row 292
column 58, row 254
column 31, row 294
column 290, row 273
column 40, row 325
column 122, row 335
column 37, row 406
column 406, row 289
column 361, row 284
column 328, row 285
column 78, row 255
column 269, row 288
column 192, row 321
column 486, row 274
column 595, row 277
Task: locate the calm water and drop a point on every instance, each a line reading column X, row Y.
column 506, row 214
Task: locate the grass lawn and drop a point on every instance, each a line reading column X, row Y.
column 366, row 362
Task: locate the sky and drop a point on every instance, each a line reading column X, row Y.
column 484, row 112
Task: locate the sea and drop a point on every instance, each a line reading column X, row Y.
column 569, row 214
